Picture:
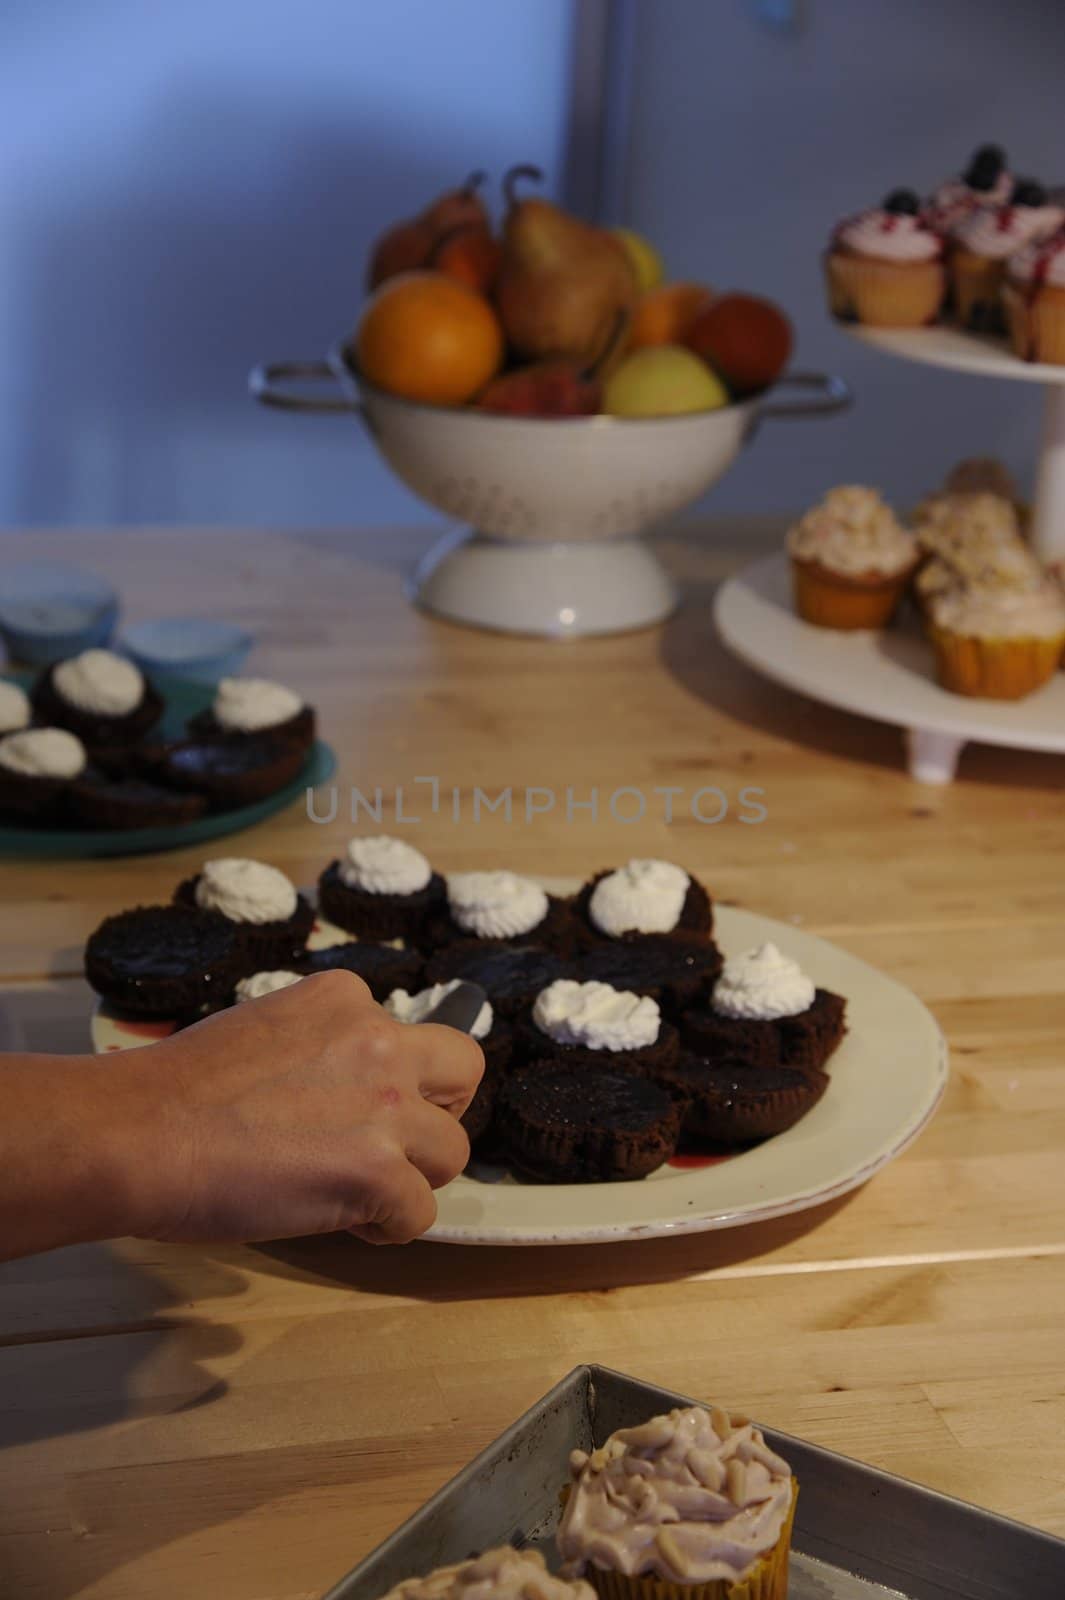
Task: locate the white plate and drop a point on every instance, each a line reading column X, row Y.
column 887, row 1078
column 889, row 675
column 957, row 350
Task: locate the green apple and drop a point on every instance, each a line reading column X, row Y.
column 644, row 259
column 663, row 380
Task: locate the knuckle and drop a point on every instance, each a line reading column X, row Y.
column 337, row 986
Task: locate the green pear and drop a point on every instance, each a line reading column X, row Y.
column 663, row 380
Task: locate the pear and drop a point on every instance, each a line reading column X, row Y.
column 561, row 281
column 408, row 245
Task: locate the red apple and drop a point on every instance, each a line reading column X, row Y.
column 745, row 339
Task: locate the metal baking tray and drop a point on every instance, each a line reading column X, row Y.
column 859, row 1532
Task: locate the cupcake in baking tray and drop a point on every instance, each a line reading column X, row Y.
column 981, row 243
column 501, row 908
column 163, row 961
column 884, row 267
column 251, row 707
column 511, row 975
column 589, row 1124
column 99, row 696
column 693, row 1503
column 851, row 560
column 1033, row 299
column 643, row 897
column 729, row 1103
column 271, row 920
column 504, row 1573
column 998, row 642
column 764, row 1011
column 382, row 888
column 38, row 767
column 16, row 712
column 593, row 1024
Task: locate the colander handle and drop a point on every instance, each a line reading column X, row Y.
column 827, row 394
column 267, row 383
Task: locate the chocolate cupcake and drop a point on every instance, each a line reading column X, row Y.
column 271, row 920
column 764, row 1011
column 258, row 984
column 726, row 1103
column 380, row 966
column 587, row 1126
column 251, row 707
column 583, row 1025
column 37, row 768
column 162, row 961
column 230, row 772
column 643, row 897
column 16, row 712
column 511, row 975
column 383, row 889
column 100, row 801
column 675, row 969
column 501, row 908
column 478, row 1117
column 99, row 696
column 493, row 1035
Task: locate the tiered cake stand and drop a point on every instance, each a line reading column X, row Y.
column 890, row 676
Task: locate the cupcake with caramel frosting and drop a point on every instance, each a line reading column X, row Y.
column 503, row 1574
column 692, row 1503
column 851, row 560
column 998, row 641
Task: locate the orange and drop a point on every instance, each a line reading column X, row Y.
column 426, row 337
column 664, row 315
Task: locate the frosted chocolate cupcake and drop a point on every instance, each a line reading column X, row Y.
column 38, row 767
column 271, row 920
column 693, row 1502
column 504, row 1574
column 764, row 1012
column 884, row 267
column 16, row 712
column 252, row 707
column 643, row 897
column 259, row 984
column 382, row 889
column 162, row 961
column 583, row 1025
column 491, row 1033
column 99, row 696
column 501, row 908
column 851, row 560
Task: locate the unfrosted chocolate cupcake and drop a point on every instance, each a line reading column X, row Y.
column 38, row 766
column 271, row 920
column 100, row 801
column 727, row 1104
column 511, row 975
column 382, row 889
column 246, row 708
column 230, row 772
column 583, row 1025
column 588, row 1126
column 675, row 969
column 380, row 966
column 501, row 908
column 643, row 897
column 99, row 696
column 764, row 1011
column 162, row 961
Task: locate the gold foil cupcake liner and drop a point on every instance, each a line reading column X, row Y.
column 994, row 669
column 885, row 294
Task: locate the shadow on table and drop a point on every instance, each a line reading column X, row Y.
column 428, row 1271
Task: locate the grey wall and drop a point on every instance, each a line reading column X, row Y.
column 187, row 188
column 748, row 142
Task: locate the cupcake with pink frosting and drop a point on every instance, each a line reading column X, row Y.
column 1033, row 298
column 982, row 242
column 885, row 267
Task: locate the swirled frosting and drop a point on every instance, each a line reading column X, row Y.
column 888, row 236
column 407, row 1007
column 1036, row 612
column 642, row 897
column 495, row 905
column 596, row 1015
column 15, row 709
column 1040, row 262
column 99, row 682
column 496, row 1575
column 43, row 753
column 245, row 891
column 261, row 983
column 999, row 231
column 761, row 984
column 690, row 1497
column 383, row 865
column 955, row 199
column 853, row 531
column 248, row 705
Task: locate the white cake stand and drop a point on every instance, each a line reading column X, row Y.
column 959, row 351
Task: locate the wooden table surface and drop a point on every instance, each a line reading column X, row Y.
column 249, row 1422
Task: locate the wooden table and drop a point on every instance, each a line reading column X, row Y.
column 248, row 1422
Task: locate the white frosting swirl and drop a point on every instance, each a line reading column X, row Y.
column 261, row 983
column 761, row 984
column 596, row 1015
column 245, row 891
column 15, row 710
column 406, row 1007
column 1041, row 261
column 504, row 1574
column 889, row 236
column 955, row 198
column 643, row 897
column 495, row 905
column 384, row 866
column 99, row 682
column 1033, row 612
column 247, row 705
column 43, row 753
column 998, row 231
column 853, row 531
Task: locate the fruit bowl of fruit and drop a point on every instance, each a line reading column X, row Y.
column 547, row 392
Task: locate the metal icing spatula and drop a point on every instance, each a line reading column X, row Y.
column 459, row 1009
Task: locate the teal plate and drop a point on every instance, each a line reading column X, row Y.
column 183, row 700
